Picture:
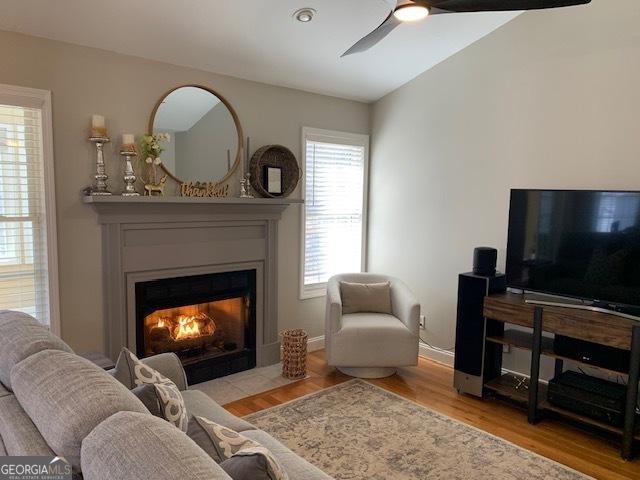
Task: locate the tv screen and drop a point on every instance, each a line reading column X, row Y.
column 583, row 244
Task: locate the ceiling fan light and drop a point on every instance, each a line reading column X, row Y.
column 411, row 12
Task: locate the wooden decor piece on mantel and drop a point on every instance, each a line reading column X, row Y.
column 275, row 156
column 204, row 189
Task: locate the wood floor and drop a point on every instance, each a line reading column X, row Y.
column 430, row 384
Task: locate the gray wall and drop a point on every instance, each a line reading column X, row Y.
column 125, row 89
column 550, row 100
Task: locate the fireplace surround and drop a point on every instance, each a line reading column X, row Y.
column 152, row 239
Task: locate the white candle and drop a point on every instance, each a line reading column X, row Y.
column 97, row 121
column 128, row 139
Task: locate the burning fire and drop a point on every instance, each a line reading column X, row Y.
column 188, row 327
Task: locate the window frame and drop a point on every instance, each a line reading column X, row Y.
column 338, row 137
column 41, row 99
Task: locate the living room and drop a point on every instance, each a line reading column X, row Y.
column 244, row 231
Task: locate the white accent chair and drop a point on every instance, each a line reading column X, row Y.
column 372, row 345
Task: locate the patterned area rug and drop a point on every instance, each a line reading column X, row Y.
column 359, row 431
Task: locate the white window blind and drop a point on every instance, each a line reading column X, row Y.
column 24, row 282
column 334, row 209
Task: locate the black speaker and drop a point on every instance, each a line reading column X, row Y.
column 484, row 261
column 476, row 361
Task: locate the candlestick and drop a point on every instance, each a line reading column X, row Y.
column 99, row 186
column 247, row 158
column 128, row 151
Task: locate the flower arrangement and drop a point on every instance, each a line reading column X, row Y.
column 150, row 150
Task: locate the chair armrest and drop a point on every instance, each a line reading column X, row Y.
column 405, row 306
column 333, row 312
column 169, row 365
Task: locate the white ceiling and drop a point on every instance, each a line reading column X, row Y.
column 183, row 108
column 258, row 39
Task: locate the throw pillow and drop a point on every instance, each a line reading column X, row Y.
column 168, row 399
column 366, row 297
column 243, row 457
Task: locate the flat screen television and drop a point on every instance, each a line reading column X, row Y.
column 582, row 244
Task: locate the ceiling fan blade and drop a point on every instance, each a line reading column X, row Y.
column 365, row 43
column 501, row 5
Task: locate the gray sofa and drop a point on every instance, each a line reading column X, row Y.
column 53, row 402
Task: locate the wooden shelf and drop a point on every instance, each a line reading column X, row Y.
column 516, row 388
column 523, row 340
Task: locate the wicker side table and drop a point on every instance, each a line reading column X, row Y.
column 294, row 354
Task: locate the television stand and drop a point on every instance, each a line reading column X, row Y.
column 553, row 301
column 504, row 309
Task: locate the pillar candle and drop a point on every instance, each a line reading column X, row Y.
column 97, row 121
column 128, row 139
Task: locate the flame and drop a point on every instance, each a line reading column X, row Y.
column 188, row 327
column 160, row 323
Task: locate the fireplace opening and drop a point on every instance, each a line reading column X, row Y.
column 208, row 321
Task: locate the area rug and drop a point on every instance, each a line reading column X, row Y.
column 357, row 431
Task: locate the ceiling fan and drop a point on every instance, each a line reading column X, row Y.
column 412, row 10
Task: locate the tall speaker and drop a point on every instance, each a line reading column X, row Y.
column 476, row 361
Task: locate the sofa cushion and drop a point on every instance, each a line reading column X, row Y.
column 366, row 297
column 19, row 434
column 67, row 396
column 23, row 336
column 296, row 467
column 3, row 391
column 200, row 404
column 129, row 446
column 3, row 451
column 222, row 443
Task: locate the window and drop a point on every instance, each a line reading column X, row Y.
column 28, row 266
column 334, row 213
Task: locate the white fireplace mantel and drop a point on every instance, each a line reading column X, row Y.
column 146, row 238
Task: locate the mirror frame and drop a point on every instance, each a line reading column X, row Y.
column 236, row 120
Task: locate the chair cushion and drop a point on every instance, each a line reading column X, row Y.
column 366, row 297
column 67, row 396
column 373, row 340
column 23, row 336
column 19, row 434
column 200, row 404
column 130, row 445
column 296, row 467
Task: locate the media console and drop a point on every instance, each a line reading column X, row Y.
column 499, row 311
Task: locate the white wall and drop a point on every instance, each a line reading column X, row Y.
column 550, row 100
column 125, row 90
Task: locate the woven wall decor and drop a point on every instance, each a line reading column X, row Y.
column 279, row 157
column 294, row 354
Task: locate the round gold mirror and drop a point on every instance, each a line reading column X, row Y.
column 205, row 137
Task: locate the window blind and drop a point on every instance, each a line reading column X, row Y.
column 23, row 232
column 333, row 210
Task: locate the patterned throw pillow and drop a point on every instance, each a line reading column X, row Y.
column 241, row 456
column 135, row 374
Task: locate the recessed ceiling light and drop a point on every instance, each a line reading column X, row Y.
column 411, row 12
column 304, row 15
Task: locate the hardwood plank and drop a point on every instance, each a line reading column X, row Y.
column 431, row 385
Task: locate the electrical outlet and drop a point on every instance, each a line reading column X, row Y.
column 423, row 322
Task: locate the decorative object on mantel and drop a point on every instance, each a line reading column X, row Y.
column 99, row 137
column 204, row 189
column 209, row 135
column 294, row 353
column 151, row 146
column 274, row 156
column 128, row 151
column 245, row 182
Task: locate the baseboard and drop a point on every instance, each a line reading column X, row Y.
column 440, row 356
column 316, row 343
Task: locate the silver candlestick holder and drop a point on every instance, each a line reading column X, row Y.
column 129, row 176
column 245, row 186
column 99, row 186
